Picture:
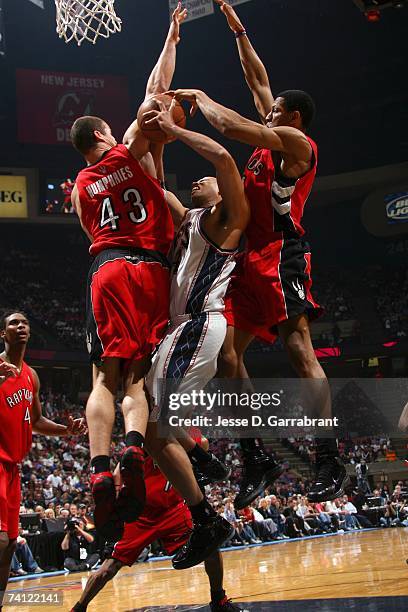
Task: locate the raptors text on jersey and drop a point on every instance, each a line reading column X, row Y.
column 16, row 401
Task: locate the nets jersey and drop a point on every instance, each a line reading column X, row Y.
column 16, row 401
column 200, row 270
column 276, row 201
column 123, row 206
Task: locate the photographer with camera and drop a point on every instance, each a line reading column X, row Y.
column 390, row 518
column 76, row 545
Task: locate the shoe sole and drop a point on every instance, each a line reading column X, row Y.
column 209, row 551
column 268, row 479
column 338, row 493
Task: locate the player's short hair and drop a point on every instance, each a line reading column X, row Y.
column 5, row 314
column 298, row 100
column 82, row 132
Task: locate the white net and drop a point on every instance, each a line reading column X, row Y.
column 86, row 20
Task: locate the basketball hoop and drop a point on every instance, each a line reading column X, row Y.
column 86, row 20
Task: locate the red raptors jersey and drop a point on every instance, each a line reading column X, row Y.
column 16, row 400
column 122, row 206
column 276, row 201
column 160, row 495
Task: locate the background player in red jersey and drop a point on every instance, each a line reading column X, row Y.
column 20, row 415
column 167, row 518
column 272, row 292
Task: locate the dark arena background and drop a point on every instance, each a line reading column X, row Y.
column 352, row 58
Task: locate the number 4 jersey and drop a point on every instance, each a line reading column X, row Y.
column 16, row 401
column 122, row 206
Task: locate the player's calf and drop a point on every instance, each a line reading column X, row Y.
column 96, row 582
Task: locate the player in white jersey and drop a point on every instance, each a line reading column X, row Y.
column 202, row 259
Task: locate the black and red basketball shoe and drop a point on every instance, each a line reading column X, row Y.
column 107, row 521
column 225, row 605
column 132, row 494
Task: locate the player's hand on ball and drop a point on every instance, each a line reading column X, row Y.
column 7, row 370
column 177, row 19
column 76, row 427
column 163, row 117
column 233, row 20
column 189, row 95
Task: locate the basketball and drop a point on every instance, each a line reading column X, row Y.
column 152, row 131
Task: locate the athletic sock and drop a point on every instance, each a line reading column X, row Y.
column 217, row 596
column 251, row 446
column 99, row 464
column 134, row 438
column 199, row 455
column 202, row 512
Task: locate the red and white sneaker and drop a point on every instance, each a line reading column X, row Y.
column 132, row 495
column 107, row 520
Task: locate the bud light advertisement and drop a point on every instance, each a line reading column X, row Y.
column 396, row 206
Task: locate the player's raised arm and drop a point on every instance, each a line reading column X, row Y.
column 288, row 140
column 162, row 74
column 254, row 70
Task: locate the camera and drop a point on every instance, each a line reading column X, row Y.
column 71, row 524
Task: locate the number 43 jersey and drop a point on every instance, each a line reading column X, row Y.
column 122, row 206
column 16, row 401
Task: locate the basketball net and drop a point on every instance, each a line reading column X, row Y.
column 86, row 20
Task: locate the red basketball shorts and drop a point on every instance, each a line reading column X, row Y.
column 171, row 527
column 127, row 303
column 10, row 497
column 271, row 286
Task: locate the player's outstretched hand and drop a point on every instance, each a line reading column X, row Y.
column 163, row 117
column 7, row 370
column 76, row 427
column 189, row 95
column 234, row 21
column 177, row 19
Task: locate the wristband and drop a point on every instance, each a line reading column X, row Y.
column 240, row 33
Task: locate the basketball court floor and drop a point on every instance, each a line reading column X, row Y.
column 358, row 571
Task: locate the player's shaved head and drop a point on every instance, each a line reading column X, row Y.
column 83, row 133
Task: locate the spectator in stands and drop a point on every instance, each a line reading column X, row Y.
column 294, row 524
column 349, row 511
column 23, row 561
column 324, row 518
column 276, row 515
